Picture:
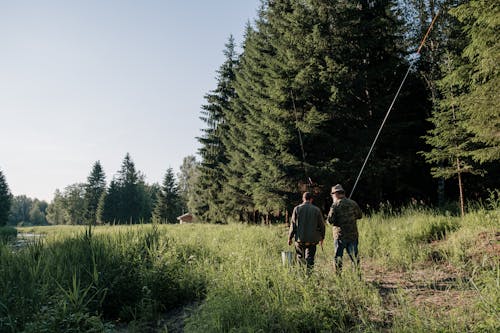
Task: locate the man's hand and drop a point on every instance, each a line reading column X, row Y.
column 289, row 242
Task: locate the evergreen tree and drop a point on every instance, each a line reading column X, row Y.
column 457, row 141
column 451, row 143
column 125, row 199
column 441, row 43
column 168, row 201
column 149, row 195
column 236, row 200
column 313, row 85
column 129, row 192
column 213, row 151
column 5, row 200
column 108, row 209
column 479, row 77
column 95, row 186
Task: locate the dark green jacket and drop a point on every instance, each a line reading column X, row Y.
column 343, row 215
column 307, row 224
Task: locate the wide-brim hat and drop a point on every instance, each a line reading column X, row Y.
column 337, row 188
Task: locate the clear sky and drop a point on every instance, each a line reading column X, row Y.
column 88, row 80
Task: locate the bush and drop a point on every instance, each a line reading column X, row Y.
column 8, row 233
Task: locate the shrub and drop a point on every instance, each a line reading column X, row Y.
column 7, row 233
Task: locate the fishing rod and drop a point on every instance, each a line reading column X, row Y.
column 393, row 101
column 303, row 162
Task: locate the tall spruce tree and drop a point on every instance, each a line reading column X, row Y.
column 95, row 186
column 465, row 117
column 320, row 72
column 5, row 200
column 108, row 209
column 149, row 195
column 441, row 41
column 372, row 57
column 168, row 205
column 124, row 200
column 236, row 193
column 479, row 76
column 128, row 180
column 213, row 151
column 450, row 141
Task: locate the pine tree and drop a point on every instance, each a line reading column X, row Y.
column 261, row 133
column 125, row 199
column 313, row 84
column 167, row 206
column 108, row 209
column 128, row 181
column 479, row 76
column 237, row 203
column 429, row 67
column 5, row 200
column 149, row 195
column 95, row 186
column 213, row 151
column 449, row 139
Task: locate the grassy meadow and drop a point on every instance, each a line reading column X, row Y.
column 421, row 272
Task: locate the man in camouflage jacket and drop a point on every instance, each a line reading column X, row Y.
column 307, row 228
column 343, row 216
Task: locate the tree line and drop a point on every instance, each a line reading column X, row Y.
column 298, row 108
column 128, row 199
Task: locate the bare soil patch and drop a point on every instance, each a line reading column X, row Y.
column 439, row 287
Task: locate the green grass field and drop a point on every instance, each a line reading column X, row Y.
column 421, row 272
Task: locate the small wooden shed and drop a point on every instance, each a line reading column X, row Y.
column 185, row 218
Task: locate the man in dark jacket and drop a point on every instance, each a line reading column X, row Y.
column 343, row 215
column 307, row 228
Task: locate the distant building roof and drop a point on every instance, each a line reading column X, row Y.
column 188, row 217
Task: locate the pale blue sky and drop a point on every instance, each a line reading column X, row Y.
column 83, row 80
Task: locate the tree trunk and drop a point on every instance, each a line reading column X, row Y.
column 460, row 188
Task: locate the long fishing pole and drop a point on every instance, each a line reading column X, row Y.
column 392, row 104
column 300, row 141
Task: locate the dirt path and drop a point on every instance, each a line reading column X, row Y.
column 171, row 321
column 434, row 283
column 438, row 288
column 174, row 319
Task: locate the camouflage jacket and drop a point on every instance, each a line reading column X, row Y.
column 307, row 224
column 342, row 216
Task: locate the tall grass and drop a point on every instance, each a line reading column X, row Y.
column 72, row 281
column 66, row 284
column 252, row 292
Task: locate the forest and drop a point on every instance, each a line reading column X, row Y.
column 299, row 108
